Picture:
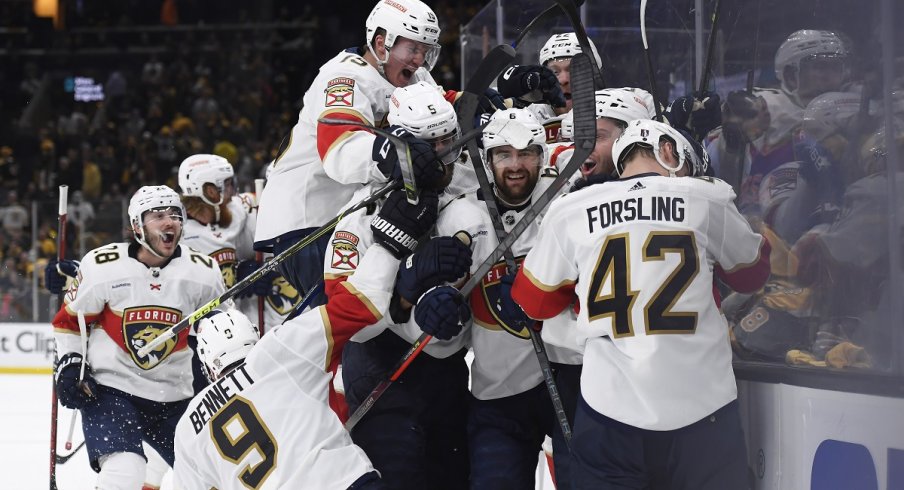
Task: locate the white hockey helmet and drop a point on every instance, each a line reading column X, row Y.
column 197, row 170
column 421, row 109
column 622, row 104
column 830, row 113
column 803, row 44
column 149, row 198
column 516, row 127
column 650, row 133
column 566, row 45
column 224, row 338
column 411, row 19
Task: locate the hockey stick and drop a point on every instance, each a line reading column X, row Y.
column 305, row 301
column 54, row 410
column 466, row 118
column 269, row 266
column 585, row 139
column 543, row 16
column 83, row 334
column 459, row 143
column 259, row 256
column 646, row 51
column 571, row 11
column 64, row 459
column 710, row 48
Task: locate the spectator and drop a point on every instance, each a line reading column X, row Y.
column 15, row 216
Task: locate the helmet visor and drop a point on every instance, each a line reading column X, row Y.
column 440, row 145
column 414, row 53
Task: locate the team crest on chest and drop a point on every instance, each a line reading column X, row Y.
column 491, row 291
column 340, row 92
column 345, row 251
column 143, row 324
column 286, row 296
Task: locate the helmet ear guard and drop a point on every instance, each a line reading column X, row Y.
column 651, row 134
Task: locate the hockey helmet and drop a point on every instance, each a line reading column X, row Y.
column 224, row 338
column 518, row 128
column 804, row 44
column 650, row 133
column 411, row 19
column 622, row 104
column 197, row 170
column 830, row 113
column 150, row 198
column 565, row 45
column 421, row 109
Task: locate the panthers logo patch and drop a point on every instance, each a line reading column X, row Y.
column 345, row 251
column 285, row 299
column 143, row 324
column 340, row 92
column 491, row 291
column 226, row 257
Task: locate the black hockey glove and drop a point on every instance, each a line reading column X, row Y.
column 399, row 225
column 819, row 169
column 490, row 102
column 70, row 393
column 260, row 287
column 697, row 116
column 55, row 274
column 442, row 312
column 509, row 311
column 531, row 83
column 427, row 169
column 441, row 260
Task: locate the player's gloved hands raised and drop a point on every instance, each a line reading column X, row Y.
column 56, row 272
column 70, row 392
column 442, row 312
column 531, row 83
column 260, row 287
column 697, row 116
column 400, row 225
column 427, row 169
column 506, row 308
column 441, row 260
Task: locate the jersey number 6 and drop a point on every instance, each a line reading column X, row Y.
column 236, row 430
column 613, row 269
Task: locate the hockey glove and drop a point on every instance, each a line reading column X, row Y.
column 70, row 393
column 490, row 102
column 427, row 169
column 509, row 311
column 442, row 312
column 698, row 117
column 818, row 169
column 56, row 272
column 531, row 83
column 441, row 260
column 260, row 287
column 399, row 225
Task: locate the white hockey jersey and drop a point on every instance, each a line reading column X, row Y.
column 129, row 305
column 227, row 245
column 503, row 364
column 640, row 254
column 268, row 423
column 323, row 165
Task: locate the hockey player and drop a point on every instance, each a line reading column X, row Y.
column 547, row 87
column 639, row 253
column 416, row 436
column 511, row 412
column 320, row 166
column 132, row 292
column 808, row 63
column 266, row 420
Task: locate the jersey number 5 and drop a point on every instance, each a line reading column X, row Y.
column 613, row 274
column 236, row 430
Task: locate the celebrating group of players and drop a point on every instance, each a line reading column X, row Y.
column 620, row 276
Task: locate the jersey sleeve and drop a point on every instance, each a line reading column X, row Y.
column 544, row 286
column 742, row 254
column 85, row 294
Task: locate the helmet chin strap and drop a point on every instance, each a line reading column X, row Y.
column 147, row 246
column 380, row 63
column 216, row 205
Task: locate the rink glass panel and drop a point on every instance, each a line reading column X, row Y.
column 831, row 315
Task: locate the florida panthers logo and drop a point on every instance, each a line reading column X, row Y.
column 227, row 259
column 142, row 325
column 486, row 314
column 286, row 298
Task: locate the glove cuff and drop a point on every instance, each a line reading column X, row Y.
column 68, row 360
column 396, row 240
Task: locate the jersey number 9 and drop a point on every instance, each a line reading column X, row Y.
column 236, row 430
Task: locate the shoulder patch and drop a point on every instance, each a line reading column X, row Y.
column 340, row 92
column 345, row 251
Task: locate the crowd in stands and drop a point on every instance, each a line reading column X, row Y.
column 232, row 90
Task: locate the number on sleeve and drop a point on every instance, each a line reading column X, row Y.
column 353, row 58
column 236, row 430
column 110, row 255
column 610, row 293
column 201, row 259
